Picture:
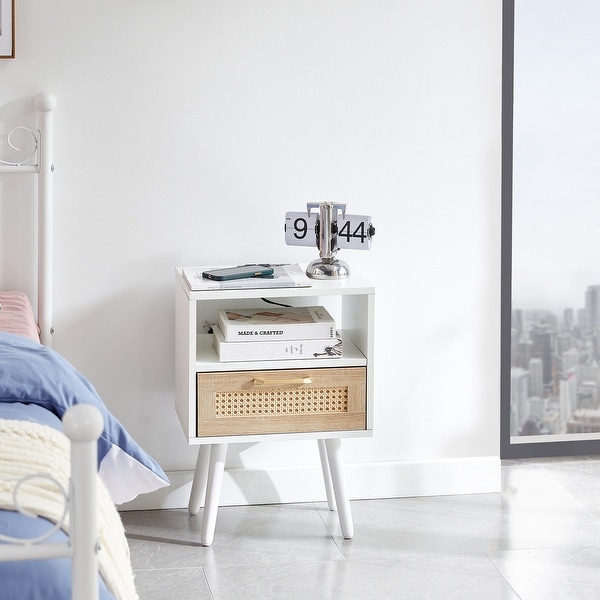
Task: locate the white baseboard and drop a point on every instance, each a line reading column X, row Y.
column 365, row 481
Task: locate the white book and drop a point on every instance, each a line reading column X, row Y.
column 276, row 323
column 276, row 349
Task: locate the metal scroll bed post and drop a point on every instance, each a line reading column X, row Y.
column 40, row 162
column 82, row 424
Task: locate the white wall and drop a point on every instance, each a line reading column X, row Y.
column 186, row 130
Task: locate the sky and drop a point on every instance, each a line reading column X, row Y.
column 556, row 169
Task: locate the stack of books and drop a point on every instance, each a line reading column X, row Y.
column 277, row 333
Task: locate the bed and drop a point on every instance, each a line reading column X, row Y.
column 65, row 460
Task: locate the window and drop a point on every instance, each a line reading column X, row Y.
column 551, row 228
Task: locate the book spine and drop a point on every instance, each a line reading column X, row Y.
column 278, row 350
column 287, row 331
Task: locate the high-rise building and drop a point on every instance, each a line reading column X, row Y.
column 587, row 394
column 541, row 336
column 564, row 341
column 592, row 307
column 519, row 384
column 568, row 398
column 536, row 383
column 570, row 360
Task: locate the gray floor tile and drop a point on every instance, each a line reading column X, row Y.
column 412, row 577
column 552, row 573
column 172, row 584
column 581, row 478
column 255, row 535
column 539, row 539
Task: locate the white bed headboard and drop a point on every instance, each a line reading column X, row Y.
column 40, row 163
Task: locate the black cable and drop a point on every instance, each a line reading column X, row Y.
column 276, row 303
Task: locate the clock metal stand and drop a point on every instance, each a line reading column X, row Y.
column 333, row 229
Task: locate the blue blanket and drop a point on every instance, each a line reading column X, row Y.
column 39, row 579
column 37, row 384
column 31, row 373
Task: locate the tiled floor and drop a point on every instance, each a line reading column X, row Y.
column 538, row 539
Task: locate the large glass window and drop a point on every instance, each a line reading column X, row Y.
column 551, row 228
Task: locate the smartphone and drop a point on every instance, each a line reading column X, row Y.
column 238, row 272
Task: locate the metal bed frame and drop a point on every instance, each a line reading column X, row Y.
column 39, row 161
column 82, row 424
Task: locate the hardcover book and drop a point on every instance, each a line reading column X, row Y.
column 276, row 349
column 277, row 323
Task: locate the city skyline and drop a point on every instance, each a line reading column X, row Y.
column 554, row 307
column 555, row 369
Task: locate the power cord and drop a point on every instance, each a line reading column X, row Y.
column 276, row 303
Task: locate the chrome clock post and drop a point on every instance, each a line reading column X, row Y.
column 327, row 266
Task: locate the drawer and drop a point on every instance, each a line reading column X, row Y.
column 281, row 401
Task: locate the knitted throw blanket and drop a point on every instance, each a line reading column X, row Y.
column 27, row 448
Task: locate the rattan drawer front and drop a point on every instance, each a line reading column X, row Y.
column 294, row 401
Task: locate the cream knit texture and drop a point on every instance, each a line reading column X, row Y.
column 27, row 448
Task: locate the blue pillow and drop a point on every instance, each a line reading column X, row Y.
column 31, row 373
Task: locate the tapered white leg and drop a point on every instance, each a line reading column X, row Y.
column 216, row 466
column 338, row 478
column 200, row 478
column 326, row 475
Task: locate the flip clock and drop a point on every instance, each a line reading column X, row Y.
column 329, row 229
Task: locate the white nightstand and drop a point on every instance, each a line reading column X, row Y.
column 336, row 403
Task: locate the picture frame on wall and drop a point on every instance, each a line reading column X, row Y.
column 7, row 28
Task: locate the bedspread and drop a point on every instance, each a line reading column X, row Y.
column 27, row 447
column 31, row 373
